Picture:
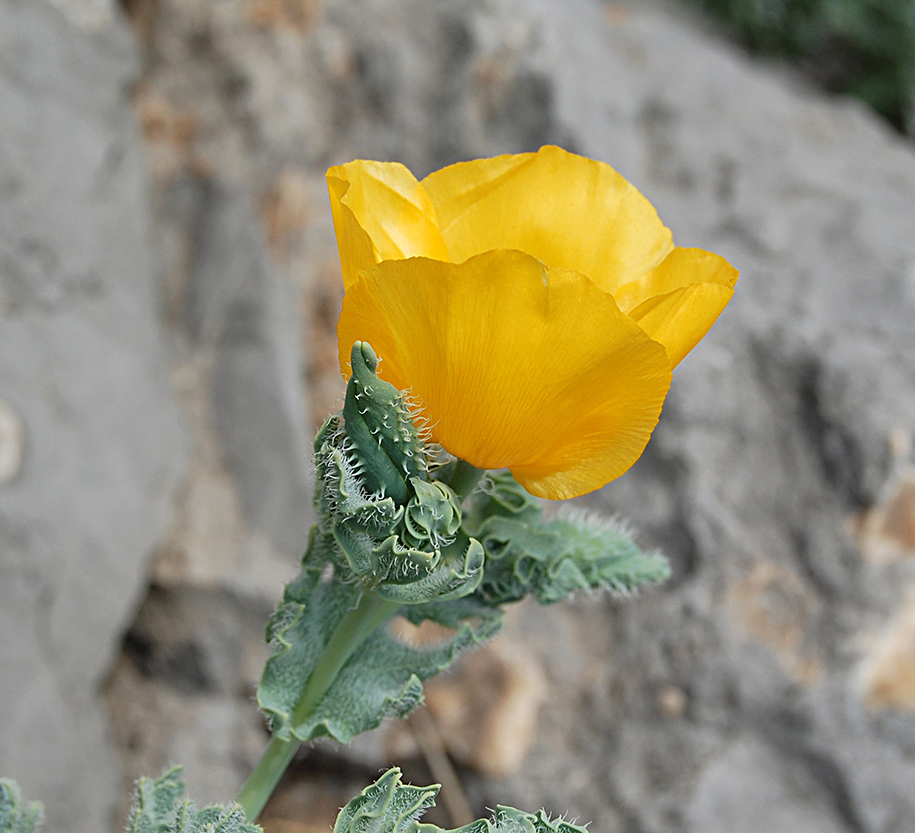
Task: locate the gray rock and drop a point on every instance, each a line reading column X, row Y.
column 773, row 673
column 777, row 434
column 182, row 691
column 749, row 783
column 245, row 310
column 82, row 367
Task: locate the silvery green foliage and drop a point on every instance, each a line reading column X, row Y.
column 17, row 816
column 389, row 806
column 382, row 678
column 550, row 560
column 390, row 525
column 159, row 806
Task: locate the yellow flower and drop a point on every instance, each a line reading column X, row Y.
column 535, row 304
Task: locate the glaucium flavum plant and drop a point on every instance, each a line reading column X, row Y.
column 508, row 332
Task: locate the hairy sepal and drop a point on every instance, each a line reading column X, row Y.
column 381, row 428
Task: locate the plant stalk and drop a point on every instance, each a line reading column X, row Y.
column 355, row 627
column 464, row 478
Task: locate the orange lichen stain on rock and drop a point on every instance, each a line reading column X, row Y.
column 772, row 606
column 886, row 532
column 888, row 672
column 305, row 802
column 169, row 131
column 286, row 210
column 672, row 701
column 617, row 13
column 426, row 633
column 163, row 122
column 289, row 14
column 899, row 520
column 320, row 310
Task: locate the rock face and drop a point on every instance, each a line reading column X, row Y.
column 785, row 432
column 770, row 685
column 92, row 439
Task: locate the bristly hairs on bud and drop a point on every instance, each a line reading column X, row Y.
column 382, row 429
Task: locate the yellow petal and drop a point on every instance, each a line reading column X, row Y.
column 563, row 209
column 380, row 213
column 681, row 268
column 678, row 302
column 516, row 364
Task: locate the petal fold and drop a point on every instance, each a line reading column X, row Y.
column 563, row 209
column 520, row 365
column 380, row 213
column 677, row 302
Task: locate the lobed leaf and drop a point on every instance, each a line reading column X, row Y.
column 159, row 806
column 551, row 560
column 389, row 806
column 382, row 677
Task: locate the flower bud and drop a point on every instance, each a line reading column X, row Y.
column 432, row 517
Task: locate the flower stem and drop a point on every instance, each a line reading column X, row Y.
column 355, row 627
column 464, row 478
column 266, row 775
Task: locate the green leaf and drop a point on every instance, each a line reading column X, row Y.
column 159, row 806
column 389, row 806
column 500, row 495
column 552, row 560
column 17, row 816
column 382, row 677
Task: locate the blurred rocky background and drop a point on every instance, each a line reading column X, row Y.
column 168, row 294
